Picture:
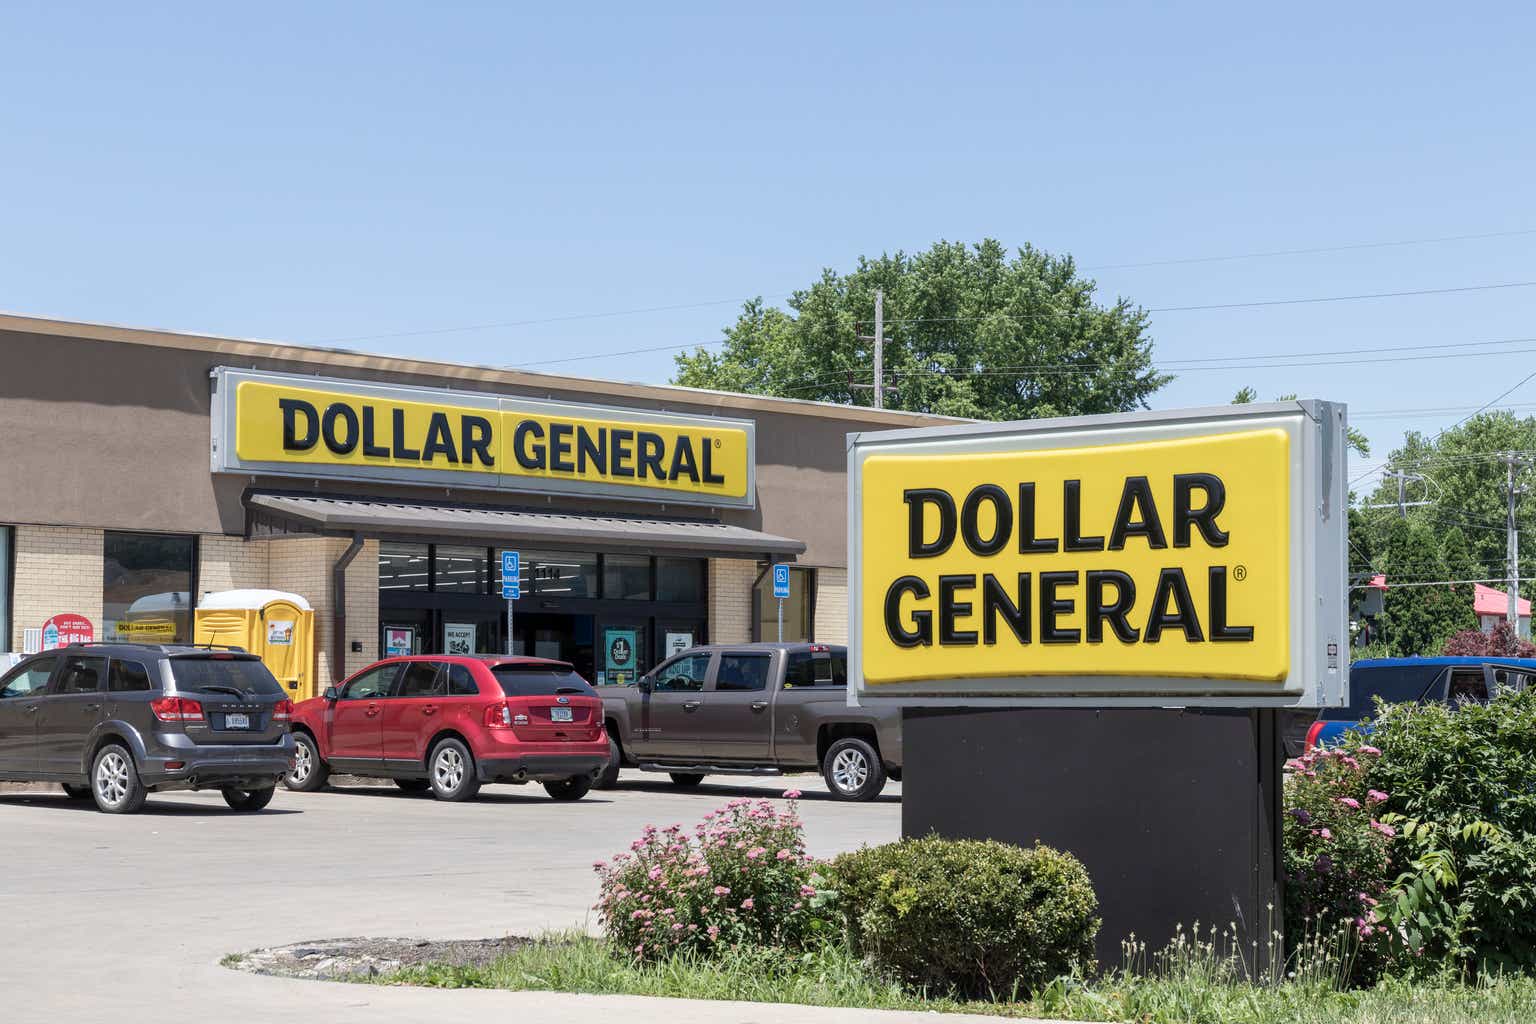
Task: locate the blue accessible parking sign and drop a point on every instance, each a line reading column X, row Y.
column 781, row 581
column 511, row 572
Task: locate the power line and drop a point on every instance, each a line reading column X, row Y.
column 1231, row 305
column 1311, row 251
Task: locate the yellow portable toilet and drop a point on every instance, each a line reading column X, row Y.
column 277, row 626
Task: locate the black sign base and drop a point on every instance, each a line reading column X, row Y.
column 1175, row 814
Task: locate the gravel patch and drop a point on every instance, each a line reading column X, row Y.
column 361, row 959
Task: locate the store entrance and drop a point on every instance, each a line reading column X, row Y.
column 554, row 635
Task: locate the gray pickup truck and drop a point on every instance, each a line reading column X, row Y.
column 753, row 709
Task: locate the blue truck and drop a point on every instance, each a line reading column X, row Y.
column 1403, row 680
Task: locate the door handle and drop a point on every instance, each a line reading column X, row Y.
column 373, row 709
column 759, row 705
column 430, row 709
column 93, row 707
column 692, row 705
column 32, row 709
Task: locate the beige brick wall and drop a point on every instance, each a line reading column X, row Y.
column 58, row 569
column 232, row 563
column 303, row 565
column 730, row 600
column 831, row 625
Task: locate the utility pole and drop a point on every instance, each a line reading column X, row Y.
column 1512, row 542
column 878, row 341
column 879, row 348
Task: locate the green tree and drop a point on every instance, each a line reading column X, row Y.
column 1418, row 619
column 970, row 332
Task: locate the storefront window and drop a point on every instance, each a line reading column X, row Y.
column 561, row 573
column 797, row 606
column 627, row 577
column 6, row 535
column 461, row 570
column 403, row 567
column 679, row 579
column 147, row 587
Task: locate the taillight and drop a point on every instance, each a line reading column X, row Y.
column 498, row 716
column 1313, row 733
column 177, row 709
column 282, row 711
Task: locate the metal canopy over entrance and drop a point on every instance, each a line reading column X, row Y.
column 345, row 516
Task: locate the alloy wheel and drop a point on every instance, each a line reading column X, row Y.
column 303, row 764
column 112, row 779
column 448, row 769
column 850, row 770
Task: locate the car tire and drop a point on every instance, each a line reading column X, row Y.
column 573, row 788
column 610, row 775
column 686, row 780
column 853, row 770
column 77, row 792
column 248, row 800
column 413, row 785
column 115, row 784
column 451, row 771
column 310, row 772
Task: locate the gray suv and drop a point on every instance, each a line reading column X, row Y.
column 115, row 722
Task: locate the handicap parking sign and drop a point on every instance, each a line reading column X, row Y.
column 781, row 581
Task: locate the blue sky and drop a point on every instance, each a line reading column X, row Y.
column 354, row 174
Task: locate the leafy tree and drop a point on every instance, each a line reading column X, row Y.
column 1504, row 642
column 970, row 332
column 1418, row 619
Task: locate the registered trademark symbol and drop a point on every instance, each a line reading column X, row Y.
column 1240, row 573
column 717, row 442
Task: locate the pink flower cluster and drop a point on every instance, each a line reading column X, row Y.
column 669, row 894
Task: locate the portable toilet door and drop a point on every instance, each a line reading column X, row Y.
column 287, row 646
column 276, row 626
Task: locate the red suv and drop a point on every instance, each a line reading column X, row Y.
column 450, row 724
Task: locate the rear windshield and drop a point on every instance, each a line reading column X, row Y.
column 248, row 677
column 1394, row 684
column 536, row 681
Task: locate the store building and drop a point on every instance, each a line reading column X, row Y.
column 142, row 469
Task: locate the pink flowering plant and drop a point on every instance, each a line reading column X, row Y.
column 740, row 878
column 1337, row 851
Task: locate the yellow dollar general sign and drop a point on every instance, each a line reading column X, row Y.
column 1096, row 561
column 275, row 423
column 982, row 566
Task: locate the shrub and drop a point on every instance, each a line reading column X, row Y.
column 972, row 917
column 1463, row 797
column 741, row 878
column 1337, row 851
column 1503, row 642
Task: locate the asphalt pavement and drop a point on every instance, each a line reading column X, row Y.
column 125, row 918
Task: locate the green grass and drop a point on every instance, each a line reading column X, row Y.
column 830, row 977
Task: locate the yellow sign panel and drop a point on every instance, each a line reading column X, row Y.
column 1160, row 558
column 283, row 423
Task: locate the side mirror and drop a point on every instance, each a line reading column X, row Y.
column 331, row 693
column 643, row 684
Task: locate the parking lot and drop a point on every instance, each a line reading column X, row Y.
column 126, row 917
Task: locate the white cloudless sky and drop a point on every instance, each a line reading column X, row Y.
column 355, row 173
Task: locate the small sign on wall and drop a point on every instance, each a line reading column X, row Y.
column 677, row 643
column 399, row 641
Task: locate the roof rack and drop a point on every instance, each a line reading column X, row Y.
column 159, row 647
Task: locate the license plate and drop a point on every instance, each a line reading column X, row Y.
column 237, row 721
column 559, row 714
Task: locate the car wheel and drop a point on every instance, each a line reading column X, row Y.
column 451, row 771
column 610, row 776
column 686, row 780
column 309, row 772
column 115, row 781
column 77, row 792
column 413, row 785
column 574, row 788
column 853, row 770
column 248, row 799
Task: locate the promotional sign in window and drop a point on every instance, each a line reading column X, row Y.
column 65, row 629
column 459, row 638
column 677, row 643
column 1145, row 559
column 399, row 641
column 290, row 425
column 619, row 656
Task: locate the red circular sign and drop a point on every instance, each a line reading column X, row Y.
column 67, row 628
